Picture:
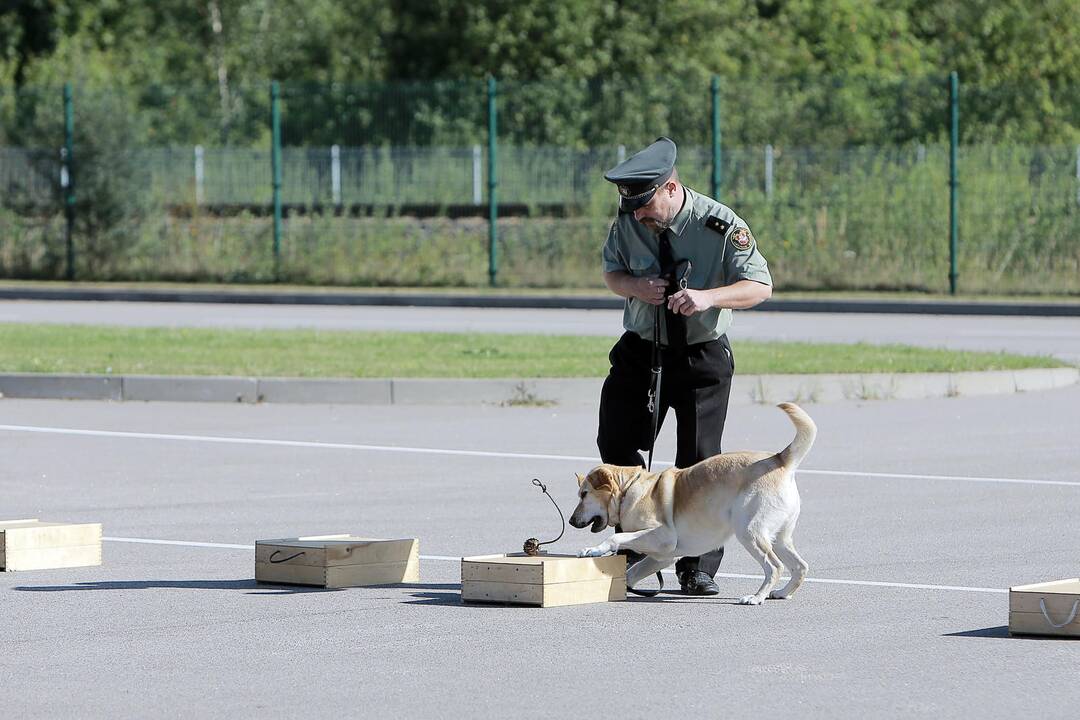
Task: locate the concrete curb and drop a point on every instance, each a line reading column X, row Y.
column 553, row 301
column 509, row 392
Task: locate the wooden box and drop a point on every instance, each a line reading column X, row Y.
column 336, row 561
column 1049, row 608
column 35, row 545
column 543, row 580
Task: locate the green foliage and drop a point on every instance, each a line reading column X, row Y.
column 111, row 187
column 577, row 72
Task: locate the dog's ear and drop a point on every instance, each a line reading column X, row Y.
column 580, row 479
column 606, row 479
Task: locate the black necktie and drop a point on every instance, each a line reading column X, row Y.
column 676, row 323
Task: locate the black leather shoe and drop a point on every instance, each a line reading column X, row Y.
column 698, row 583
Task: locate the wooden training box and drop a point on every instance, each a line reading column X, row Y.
column 543, row 580
column 336, row 561
column 35, row 545
column 1049, row 608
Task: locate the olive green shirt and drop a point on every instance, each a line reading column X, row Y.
column 719, row 254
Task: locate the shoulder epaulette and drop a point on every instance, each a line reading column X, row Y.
column 717, row 224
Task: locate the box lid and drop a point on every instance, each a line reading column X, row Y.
column 1070, row 586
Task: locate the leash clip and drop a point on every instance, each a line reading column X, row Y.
column 652, row 390
column 683, row 281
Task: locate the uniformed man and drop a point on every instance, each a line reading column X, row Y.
column 665, row 232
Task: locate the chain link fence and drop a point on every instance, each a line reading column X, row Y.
column 845, row 184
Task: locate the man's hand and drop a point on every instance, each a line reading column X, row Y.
column 650, row 289
column 688, row 302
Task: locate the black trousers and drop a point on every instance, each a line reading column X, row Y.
column 696, row 385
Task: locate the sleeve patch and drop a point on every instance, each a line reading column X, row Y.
column 742, row 239
column 719, row 225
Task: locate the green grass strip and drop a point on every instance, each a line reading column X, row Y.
column 318, row 353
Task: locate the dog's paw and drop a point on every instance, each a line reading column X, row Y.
column 749, row 600
column 591, row 552
column 778, row 595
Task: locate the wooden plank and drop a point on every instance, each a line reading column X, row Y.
column 585, row 591
column 499, row 568
column 502, row 592
column 542, row 569
column 574, row 569
column 280, row 553
column 358, row 551
column 1024, row 623
column 552, row 595
column 1059, row 605
column 290, row 574
column 372, row 574
column 49, row 558
column 334, row 550
column 46, row 534
column 339, row 576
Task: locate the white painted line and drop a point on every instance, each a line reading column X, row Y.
column 479, row 453
column 291, row 443
column 453, row 558
column 874, row 583
column 958, row 478
column 148, row 541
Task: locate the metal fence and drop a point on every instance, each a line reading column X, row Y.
column 392, row 184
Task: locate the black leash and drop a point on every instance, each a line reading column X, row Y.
column 654, row 391
column 657, row 376
column 657, row 359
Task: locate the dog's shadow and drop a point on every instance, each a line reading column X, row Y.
column 438, row 599
column 683, row 599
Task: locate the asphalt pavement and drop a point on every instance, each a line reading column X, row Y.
column 917, row 515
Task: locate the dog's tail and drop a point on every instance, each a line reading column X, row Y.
column 805, row 432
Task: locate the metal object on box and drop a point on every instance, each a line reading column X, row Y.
column 1049, row 608
column 35, row 545
column 336, row 561
column 542, row 580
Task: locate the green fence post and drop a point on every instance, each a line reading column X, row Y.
column 275, row 160
column 493, row 205
column 68, row 180
column 715, row 137
column 954, row 141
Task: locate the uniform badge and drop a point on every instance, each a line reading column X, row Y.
column 714, row 223
column 742, row 239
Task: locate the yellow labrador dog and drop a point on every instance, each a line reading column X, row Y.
column 675, row 513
